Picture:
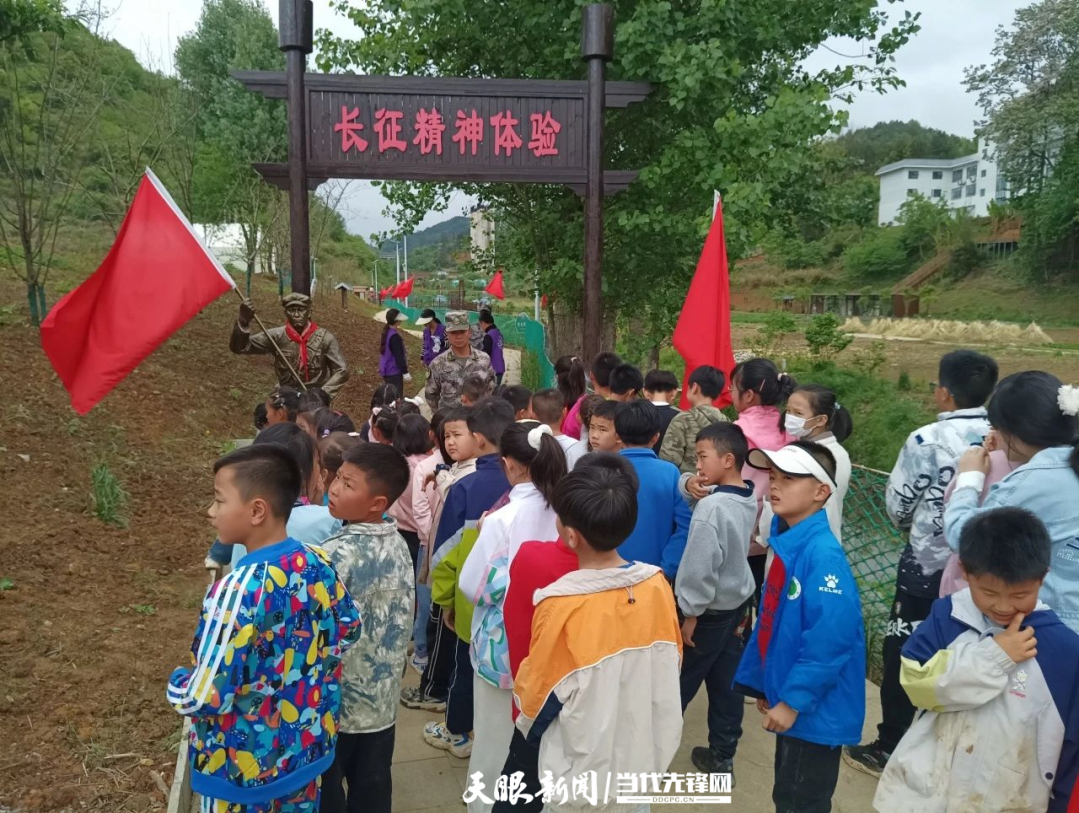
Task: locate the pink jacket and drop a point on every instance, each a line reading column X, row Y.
column 761, row 425
column 405, row 509
column 572, row 424
column 951, row 580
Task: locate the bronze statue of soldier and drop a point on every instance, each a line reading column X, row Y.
column 305, row 355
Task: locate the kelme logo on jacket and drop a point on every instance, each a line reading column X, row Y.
column 831, row 585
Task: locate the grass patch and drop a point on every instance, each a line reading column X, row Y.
column 531, row 374
column 108, row 496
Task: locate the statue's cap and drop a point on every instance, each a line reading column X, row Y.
column 296, row 299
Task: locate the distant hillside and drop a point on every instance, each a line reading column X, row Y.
column 889, row 141
column 450, row 230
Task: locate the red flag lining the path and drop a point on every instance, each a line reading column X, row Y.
column 495, row 287
column 157, row 276
column 404, row 289
column 703, row 333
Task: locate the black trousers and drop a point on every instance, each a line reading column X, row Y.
column 757, row 564
column 498, row 379
column 460, row 705
column 398, row 381
column 523, row 759
column 412, row 539
column 435, row 681
column 363, row 761
column 806, row 776
column 712, row 660
column 897, row 711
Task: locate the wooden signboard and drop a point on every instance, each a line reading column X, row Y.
column 413, row 128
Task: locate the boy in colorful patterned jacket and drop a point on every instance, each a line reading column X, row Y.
column 372, row 559
column 263, row 686
column 995, row 669
column 599, row 688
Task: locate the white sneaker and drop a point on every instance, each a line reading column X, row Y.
column 417, row 664
column 436, row 734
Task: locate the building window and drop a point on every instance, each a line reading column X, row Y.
column 981, row 193
column 972, row 171
column 938, row 174
column 983, row 173
column 970, row 190
column 911, row 193
column 912, row 174
column 957, row 193
column 936, row 193
column 957, row 176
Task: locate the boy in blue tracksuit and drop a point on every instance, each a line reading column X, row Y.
column 805, row 662
column 663, row 517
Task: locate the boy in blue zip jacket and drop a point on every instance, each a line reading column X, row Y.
column 805, row 662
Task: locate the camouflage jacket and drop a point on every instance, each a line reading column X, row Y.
column 326, row 366
column 448, row 373
column 373, row 562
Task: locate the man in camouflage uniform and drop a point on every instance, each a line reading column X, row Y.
column 312, row 350
column 449, row 370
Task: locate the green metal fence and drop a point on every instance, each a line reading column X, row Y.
column 873, row 545
column 520, row 331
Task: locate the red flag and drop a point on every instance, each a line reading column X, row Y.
column 703, row 333
column 385, row 292
column 157, row 275
column 404, row 289
column 495, row 287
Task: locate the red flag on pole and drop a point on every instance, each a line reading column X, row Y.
column 385, row 292
column 157, row 275
column 404, row 289
column 495, row 287
column 703, row 333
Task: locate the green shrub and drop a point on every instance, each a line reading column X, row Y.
column 883, row 415
column 880, row 255
column 824, row 337
column 531, row 374
column 108, row 496
column 777, row 325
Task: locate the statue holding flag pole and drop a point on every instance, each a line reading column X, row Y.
column 305, row 355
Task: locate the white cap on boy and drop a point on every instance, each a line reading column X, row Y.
column 793, row 460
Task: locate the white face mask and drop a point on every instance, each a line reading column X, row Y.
column 795, row 426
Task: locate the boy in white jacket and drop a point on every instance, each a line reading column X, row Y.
column 994, row 669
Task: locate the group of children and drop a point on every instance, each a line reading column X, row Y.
column 566, row 568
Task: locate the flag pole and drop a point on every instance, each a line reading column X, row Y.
column 273, row 344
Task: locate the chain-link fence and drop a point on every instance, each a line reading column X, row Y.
column 873, row 545
column 520, row 331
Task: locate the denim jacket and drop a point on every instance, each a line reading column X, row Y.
column 1047, row 487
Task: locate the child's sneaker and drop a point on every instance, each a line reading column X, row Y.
column 707, row 760
column 418, row 664
column 436, row 734
column 413, row 698
column 869, row 759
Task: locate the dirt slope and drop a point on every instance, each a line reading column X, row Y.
column 96, row 617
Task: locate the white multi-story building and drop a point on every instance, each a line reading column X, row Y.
column 967, row 183
column 481, row 230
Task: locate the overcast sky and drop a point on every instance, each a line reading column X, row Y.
column 955, row 34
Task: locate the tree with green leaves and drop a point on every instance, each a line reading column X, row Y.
column 1030, row 98
column 235, row 127
column 734, row 110
column 53, row 86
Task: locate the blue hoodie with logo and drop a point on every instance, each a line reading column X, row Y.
column 808, row 648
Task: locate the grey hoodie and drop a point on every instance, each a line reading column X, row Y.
column 714, row 573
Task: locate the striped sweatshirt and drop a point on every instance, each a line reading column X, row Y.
column 262, row 687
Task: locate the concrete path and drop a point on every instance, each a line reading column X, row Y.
column 427, row 779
